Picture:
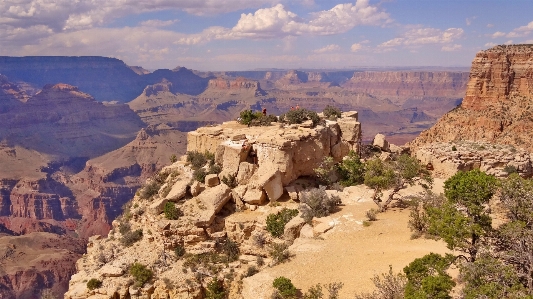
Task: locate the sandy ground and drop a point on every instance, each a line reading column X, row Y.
column 349, row 253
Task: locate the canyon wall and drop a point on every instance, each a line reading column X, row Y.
column 498, row 105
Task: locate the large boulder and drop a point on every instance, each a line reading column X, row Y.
column 211, row 202
column 178, row 191
column 246, row 170
column 157, row 206
column 293, row 227
column 254, row 197
column 381, row 142
column 211, row 180
column 270, row 181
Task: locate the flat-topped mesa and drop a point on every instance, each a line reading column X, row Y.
column 283, row 152
column 498, row 73
column 240, row 83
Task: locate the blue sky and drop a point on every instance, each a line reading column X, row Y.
column 248, row 34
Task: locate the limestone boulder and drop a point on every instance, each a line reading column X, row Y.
column 350, row 129
column 381, row 142
column 254, row 197
column 293, row 227
column 293, row 192
column 211, row 180
column 307, row 232
column 157, row 206
column 111, row 271
column 196, row 188
column 230, row 154
column 246, row 170
column 270, row 181
column 211, row 201
column 178, row 191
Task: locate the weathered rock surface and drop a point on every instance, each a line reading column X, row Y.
column 498, row 105
column 446, row 159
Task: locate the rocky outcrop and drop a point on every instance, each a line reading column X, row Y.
column 498, row 105
column 208, row 220
column 446, row 159
column 402, row 85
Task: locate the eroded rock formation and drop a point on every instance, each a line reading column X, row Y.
column 282, row 154
column 498, row 105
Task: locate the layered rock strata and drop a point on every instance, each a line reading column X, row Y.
column 208, row 218
column 498, row 105
column 446, row 159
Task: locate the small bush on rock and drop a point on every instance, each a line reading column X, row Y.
column 298, row 116
column 264, row 121
column 317, row 203
column 94, row 283
column 351, row 170
column 215, row 290
column 140, row 273
column 285, row 287
column 372, row 215
column 179, row 251
column 230, row 181
column 231, row 249
column 150, row 189
column 247, row 116
column 199, row 175
column 124, row 228
column 279, row 253
column 276, row 222
column 171, row 212
column 131, row 237
column 331, row 112
column 197, row 159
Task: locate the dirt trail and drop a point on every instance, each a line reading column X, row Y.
column 349, row 253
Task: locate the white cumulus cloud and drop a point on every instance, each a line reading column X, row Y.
column 424, row 35
column 498, row 34
column 158, row 23
column 451, row 48
column 328, row 48
column 278, row 22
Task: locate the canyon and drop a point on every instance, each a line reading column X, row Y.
column 79, row 136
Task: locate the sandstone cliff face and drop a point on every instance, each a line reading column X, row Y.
column 37, row 261
column 400, row 86
column 498, row 105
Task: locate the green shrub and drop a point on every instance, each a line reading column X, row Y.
column 314, row 292
column 276, row 222
column 331, row 112
column 317, row 203
column 351, row 170
column 510, row 169
column 285, row 287
column 251, row 271
column 279, row 253
column 124, row 228
column 94, row 283
column 199, row 175
column 215, row 169
column 231, row 249
column 230, row 181
column 454, row 148
column 179, row 251
column 173, row 158
column 131, row 237
column 247, row 116
column 150, row 189
column 264, row 120
column 215, row 290
column 140, row 273
column 171, row 212
column 298, row 116
column 326, row 170
column 197, row 159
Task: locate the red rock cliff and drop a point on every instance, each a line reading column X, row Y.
column 498, row 105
